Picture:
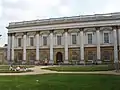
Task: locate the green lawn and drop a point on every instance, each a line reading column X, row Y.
column 81, row 68
column 60, row 82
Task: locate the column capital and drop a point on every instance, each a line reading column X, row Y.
column 97, row 28
column 114, row 27
column 9, row 34
column 25, row 33
column 81, row 29
column 65, row 30
column 118, row 27
column 51, row 31
column 13, row 34
column 37, row 32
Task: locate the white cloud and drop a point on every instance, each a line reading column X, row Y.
column 112, row 6
column 64, row 10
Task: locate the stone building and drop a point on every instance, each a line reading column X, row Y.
column 78, row 39
column 3, row 54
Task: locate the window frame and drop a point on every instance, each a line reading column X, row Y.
column 104, row 38
column 31, row 44
column 20, row 42
column 91, row 41
column 60, row 40
column 74, row 34
column 46, row 40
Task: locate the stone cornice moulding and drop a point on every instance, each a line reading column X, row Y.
column 67, row 26
column 81, row 18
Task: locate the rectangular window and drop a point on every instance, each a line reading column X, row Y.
column 59, row 40
column 44, row 40
column 74, row 40
column 19, row 42
column 31, row 41
column 106, row 38
column 106, row 56
column 90, row 55
column 89, row 38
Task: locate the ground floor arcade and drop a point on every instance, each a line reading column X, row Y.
column 90, row 55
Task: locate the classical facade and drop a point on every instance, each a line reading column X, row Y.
column 78, row 39
column 3, row 55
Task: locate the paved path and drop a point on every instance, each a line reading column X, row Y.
column 39, row 70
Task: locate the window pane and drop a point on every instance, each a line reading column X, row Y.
column 44, row 40
column 74, row 39
column 89, row 38
column 59, row 40
column 31, row 41
column 19, row 42
column 106, row 38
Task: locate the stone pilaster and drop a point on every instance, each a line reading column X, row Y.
column 98, row 44
column 115, row 44
column 51, row 47
column 13, row 38
column 119, row 36
column 24, row 46
column 37, row 45
column 9, row 47
column 81, row 47
column 66, row 45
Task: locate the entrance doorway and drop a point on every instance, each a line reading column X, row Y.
column 59, row 57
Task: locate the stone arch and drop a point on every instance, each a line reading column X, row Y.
column 59, row 57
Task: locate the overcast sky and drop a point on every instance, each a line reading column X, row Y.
column 20, row 10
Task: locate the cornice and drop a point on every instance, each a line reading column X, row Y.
column 62, row 20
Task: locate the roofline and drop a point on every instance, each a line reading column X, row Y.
column 62, row 20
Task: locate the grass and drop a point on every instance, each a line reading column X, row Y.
column 81, row 68
column 60, row 82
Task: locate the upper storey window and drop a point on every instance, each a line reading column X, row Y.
column 89, row 38
column 31, row 41
column 74, row 40
column 19, row 42
column 106, row 37
column 44, row 40
column 59, row 40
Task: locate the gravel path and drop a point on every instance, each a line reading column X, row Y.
column 39, row 70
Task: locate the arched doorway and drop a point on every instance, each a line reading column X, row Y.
column 59, row 57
